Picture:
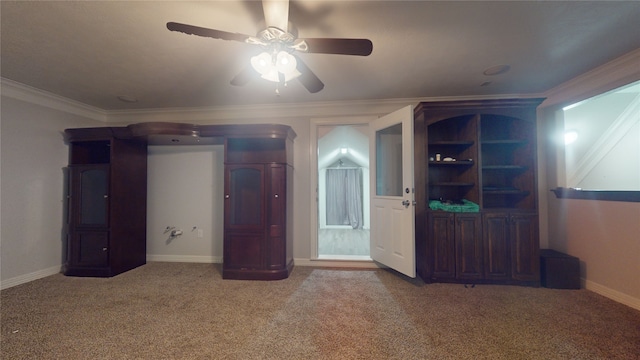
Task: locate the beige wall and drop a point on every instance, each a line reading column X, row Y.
column 33, row 156
column 605, row 235
column 185, row 187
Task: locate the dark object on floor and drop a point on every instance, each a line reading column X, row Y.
column 558, row 270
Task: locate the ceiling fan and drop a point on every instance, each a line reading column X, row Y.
column 279, row 42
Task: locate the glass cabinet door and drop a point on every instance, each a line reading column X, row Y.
column 245, row 196
column 92, row 195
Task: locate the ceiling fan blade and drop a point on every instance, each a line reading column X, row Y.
column 361, row 47
column 211, row 33
column 244, row 76
column 307, row 78
column 276, row 13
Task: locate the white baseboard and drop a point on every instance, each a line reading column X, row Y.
column 22, row 279
column 185, row 258
column 612, row 294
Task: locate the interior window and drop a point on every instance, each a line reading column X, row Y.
column 602, row 141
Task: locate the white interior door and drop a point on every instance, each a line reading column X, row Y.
column 392, row 195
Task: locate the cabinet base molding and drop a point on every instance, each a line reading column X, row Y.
column 259, row 274
column 97, row 272
column 483, row 282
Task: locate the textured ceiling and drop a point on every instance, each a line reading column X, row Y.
column 95, row 51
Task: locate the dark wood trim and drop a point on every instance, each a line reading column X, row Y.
column 142, row 131
column 606, row 195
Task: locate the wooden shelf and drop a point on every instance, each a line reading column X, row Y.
column 499, row 191
column 504, row 167
column 453, row 143
column 506, row 142
column 452, row 163
column 451, row 184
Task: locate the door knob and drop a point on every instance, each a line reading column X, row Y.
column 406, row 203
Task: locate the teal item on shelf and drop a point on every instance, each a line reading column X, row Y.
column 466, row 206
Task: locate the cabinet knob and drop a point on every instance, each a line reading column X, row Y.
column 226, row 196
column 104, row 249
column 275, row 196
column 105, row 196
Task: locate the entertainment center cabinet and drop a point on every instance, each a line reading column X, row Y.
column 107, row 196
column 476, row 191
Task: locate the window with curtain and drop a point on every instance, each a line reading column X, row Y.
column 344, row 197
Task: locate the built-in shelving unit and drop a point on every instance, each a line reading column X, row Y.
column 480, row 152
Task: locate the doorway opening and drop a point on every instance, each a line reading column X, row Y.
column 343, row 192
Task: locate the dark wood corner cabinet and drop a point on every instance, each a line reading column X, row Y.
column 476, row 191
column 107, row 203
column 258, row 192
column 107, row 196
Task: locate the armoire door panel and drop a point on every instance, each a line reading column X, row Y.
column 277, row 199
column 90, row 195
column 244, row 197
column 244, row 251
column 91, row 248
column 276, row 253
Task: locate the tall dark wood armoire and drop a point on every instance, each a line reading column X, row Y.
column 107, row 203
column 258, row 207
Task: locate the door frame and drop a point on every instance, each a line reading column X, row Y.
column 315, row 123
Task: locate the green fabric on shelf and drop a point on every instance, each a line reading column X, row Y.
column 466, row 206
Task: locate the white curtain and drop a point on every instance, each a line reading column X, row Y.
column 344, row 197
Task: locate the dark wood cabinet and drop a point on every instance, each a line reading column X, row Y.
column 106, row 224
column 512, row 249
column 457, row 245
column 107, row 196
column 525, row 247
column 258, row 186
column 476, row 192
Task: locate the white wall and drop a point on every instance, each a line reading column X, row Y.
column 33, row 156
column 185, row 186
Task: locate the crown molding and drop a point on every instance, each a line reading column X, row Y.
column 221, row 114
column 280, row 112
column 19, row 91
column 616, row 73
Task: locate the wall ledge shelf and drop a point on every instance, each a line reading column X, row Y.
column 606, row 195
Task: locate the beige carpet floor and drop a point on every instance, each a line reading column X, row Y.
column 186, row 311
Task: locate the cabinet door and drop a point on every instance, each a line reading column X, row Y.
column 244, row 251
column 276, row 216
column 525, row 252
column 90, row 195
column 89, row 249
column 442, row 238
column 244, row 197
column 468, row 240
column 495, row 235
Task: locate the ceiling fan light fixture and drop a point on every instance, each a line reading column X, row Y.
column 271, row 66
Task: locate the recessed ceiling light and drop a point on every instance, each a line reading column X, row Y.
column 127, row 99
column 496, row 70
